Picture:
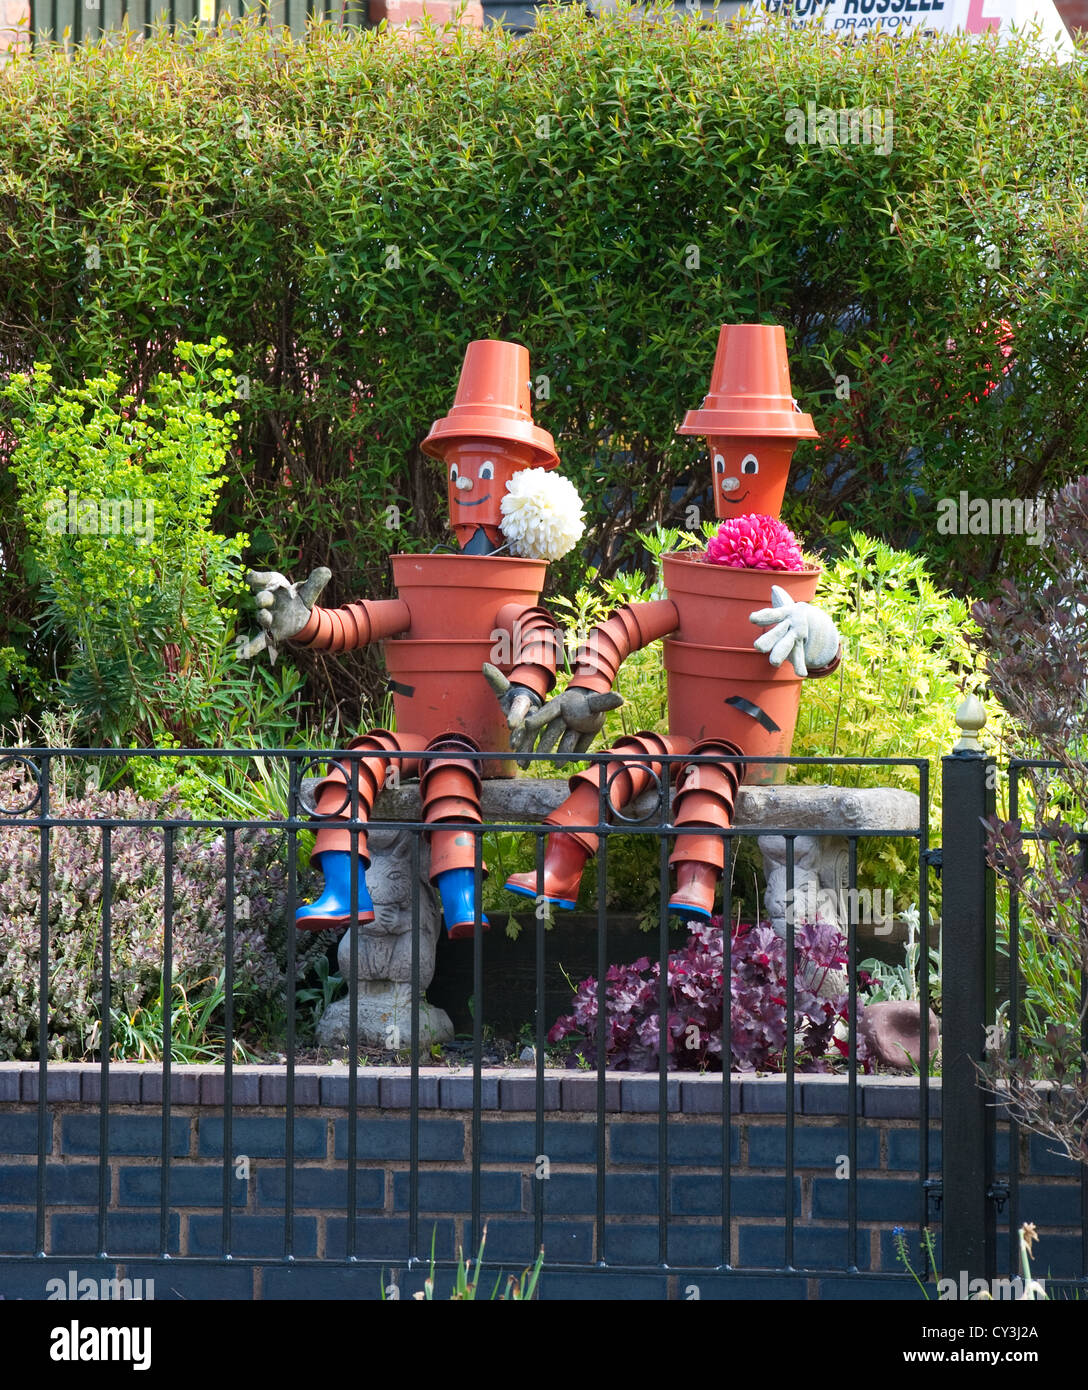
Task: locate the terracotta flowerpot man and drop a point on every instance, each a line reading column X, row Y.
column 454, row 614
column 726, row 697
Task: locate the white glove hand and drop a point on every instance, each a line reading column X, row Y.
column 802, row 633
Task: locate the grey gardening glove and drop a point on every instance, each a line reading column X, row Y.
column 283, row 608
column 801, row 632
column 572, row 719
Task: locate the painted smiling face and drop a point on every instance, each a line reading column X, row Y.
column 749, row 475
column 477, row 473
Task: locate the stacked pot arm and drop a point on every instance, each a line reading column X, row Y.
column 356, row 625
column 628, row 630
column 535, row 641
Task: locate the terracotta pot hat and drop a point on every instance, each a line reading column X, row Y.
column 750, row 390
column 493, row 403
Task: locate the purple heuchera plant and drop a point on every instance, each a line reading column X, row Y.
column 693, row 1031
column 136, row 946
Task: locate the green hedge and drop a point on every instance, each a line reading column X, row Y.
column 555, row 189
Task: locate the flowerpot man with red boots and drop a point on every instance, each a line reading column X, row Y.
column 453, row 613
column 727, row 696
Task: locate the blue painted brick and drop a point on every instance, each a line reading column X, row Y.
column 252, row 1235
column 630, row 1245
column 827, row 1097
column 438, row 1139
column 396, row 1093
column 702, row 1095
column 334, row 1091
column 63, row 1083
column 324, row 1283
column 580, row 1092
column 873, row 1287
column 73, row 1184
column 19, row 1135
column 455, row 1092
column 513, row 1141
column 746, row 1288
column 566, row 1242
column 904, row 1148
column 750, row 1196
column 626, row 1194
column 189, row 1187
column 701, row 1144
column 261, row 1136
column 196, row 1283
column 124, row 1085
column 814, row 1247
column 589, row 1288
column 137, row 1135
column 387, row 1237
column 642, row 1094
column 126, row 1234
column 686, row 1245
column 898, row 1100
column 245, row 1087
column 10, row 1084
column 767, row 1096
column 320, row 1187
column 519, row 1093
column 16, row 1233
column 892, row 1200
column 812, row 1148
column 700, row 1244
column 1043, row 1157
column 453, row 1192
column 31, row 1280
column 1050, row 1204
column 307, row 1087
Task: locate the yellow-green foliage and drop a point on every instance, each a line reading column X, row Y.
column 116, row 498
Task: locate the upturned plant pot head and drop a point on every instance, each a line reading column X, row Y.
column 488, row 436
column 750, row 419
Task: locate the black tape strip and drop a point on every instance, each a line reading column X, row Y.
column 760, row 716
column 406, row 690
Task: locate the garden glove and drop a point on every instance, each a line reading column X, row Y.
column 802, row 633
column 572, row 719
column 283, row 609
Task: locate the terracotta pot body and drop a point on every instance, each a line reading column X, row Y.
column 440, row 686
column 710, row 659
column 700, row 681
column 715, row 601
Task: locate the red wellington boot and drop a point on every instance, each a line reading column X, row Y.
column 696, row 885
column 564, row 861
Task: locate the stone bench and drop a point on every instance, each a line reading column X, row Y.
column 823, row 815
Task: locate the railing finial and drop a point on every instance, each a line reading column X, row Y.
column 971, row 718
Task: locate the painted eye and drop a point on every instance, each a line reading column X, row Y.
column 453, row 472
column 749, row 464
column 487, row 470
column 719, row 464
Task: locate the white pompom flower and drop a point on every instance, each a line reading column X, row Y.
column 542, row 516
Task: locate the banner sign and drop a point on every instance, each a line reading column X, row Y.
column 932, row 16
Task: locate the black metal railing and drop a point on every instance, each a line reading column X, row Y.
column 29, row 803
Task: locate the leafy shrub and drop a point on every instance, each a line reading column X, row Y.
column 116, row 501
column 693, row 1033
column 1035, row 639
column 351, row 210
column 137, row 858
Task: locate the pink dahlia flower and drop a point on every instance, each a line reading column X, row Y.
column 755, row 543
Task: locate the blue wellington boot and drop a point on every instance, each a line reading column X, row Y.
column 457, row 890
column 333, row 908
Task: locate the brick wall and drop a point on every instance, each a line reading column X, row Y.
column 887, row 1182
